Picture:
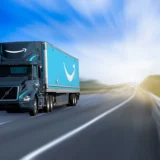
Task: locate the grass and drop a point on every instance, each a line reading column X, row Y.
column 152, row 84
column 91, row 85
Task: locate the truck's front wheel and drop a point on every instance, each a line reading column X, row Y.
column 34, row 110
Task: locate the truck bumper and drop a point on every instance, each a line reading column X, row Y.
column 16, row 105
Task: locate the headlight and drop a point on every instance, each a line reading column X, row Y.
column 26, row 98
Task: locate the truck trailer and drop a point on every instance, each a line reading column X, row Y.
column 36, row 76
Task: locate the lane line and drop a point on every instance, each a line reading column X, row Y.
column 88, row 103
column 66, row 136
column 85, row 103
column 66, row 108
column 38, row 115
column 5, row 122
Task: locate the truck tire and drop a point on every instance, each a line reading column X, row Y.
column 51, row 103
column 34, row 110
column 72, row 100
column 47, row 107
column 75, row 100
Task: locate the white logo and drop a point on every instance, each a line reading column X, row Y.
column 23, row 50
column 69, row 76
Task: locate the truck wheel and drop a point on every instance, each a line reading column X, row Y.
column 47, row 107
column 51, row 103
column 34, row 110
column 73, row 100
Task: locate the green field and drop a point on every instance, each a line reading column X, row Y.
column 91, row 85
column 152, row 84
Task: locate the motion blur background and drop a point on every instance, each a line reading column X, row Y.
column 116, row 41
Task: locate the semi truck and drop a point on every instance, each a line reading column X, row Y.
column 36, row 76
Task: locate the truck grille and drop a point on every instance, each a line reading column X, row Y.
column 8, row 93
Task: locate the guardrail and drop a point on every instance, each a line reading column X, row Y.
column 155, row 109
column 156, row 98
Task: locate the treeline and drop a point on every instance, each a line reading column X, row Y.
column 91, row 85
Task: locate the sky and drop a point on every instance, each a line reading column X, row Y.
column 116, row 41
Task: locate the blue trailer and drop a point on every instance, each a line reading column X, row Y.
column 37, row 76
column 61, row 71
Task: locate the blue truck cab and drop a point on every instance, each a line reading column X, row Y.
column 37, row 76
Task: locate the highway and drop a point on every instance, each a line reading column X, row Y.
column 117, row 124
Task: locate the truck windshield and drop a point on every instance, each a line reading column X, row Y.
column 15, row 71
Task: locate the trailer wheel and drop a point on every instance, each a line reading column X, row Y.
column 51, row 103
column 75, row 100
column 34, row 110
column 47, row 107
column 72, row 100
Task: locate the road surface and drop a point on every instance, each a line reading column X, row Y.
column 116, row 125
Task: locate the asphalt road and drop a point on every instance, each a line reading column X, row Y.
column 113, row 125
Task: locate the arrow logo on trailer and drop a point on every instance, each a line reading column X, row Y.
column 69, row 76
column 23, row 50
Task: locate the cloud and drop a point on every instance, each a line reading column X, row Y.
column 123, row 47
column 47, row 4
column 90, row 8
column 131, row 58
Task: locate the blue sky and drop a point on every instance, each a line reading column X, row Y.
column 116, row 41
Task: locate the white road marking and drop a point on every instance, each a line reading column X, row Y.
column 38, row 115
column 66, row 136
column 66, row 108
column 1, row 123
column 85, row 103
column 88, row 103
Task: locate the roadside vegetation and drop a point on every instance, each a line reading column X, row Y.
column 152, row 84
column 91, row 85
